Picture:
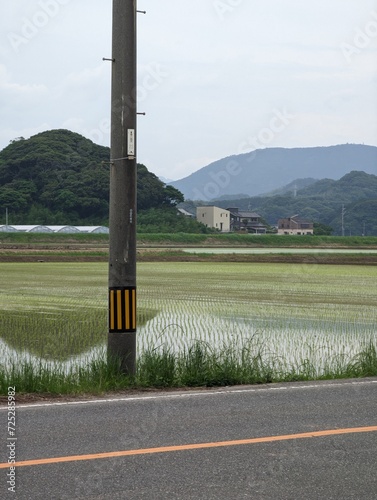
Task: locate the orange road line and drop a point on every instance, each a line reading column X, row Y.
column 185, row 447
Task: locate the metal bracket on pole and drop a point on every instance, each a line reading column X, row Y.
column 120, row 159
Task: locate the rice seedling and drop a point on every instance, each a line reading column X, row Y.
column 198, row 324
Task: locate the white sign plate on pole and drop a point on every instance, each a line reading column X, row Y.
column 131, row 142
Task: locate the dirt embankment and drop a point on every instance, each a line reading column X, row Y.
column 99, row 253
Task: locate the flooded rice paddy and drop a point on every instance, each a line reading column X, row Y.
column 291, row 313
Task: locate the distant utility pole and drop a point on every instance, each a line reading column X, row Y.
column 343, row 212
column 122, row 217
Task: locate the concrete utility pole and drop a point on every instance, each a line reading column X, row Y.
column 122, row 221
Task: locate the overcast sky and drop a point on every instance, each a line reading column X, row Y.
column 215, row 77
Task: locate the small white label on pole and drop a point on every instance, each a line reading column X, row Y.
column 131, row 142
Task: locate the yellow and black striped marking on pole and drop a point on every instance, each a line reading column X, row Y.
column 122, row 309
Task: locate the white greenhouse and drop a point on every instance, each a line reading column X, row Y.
column 53, row 229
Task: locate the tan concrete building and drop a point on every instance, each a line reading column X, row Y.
column 215, row 217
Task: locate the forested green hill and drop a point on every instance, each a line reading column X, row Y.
column 55, row 177
column 60, row 177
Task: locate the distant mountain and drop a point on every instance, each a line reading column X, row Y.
column 266, row 170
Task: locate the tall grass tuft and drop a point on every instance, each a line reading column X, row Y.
column 157, row 369
column 196, row 364
column 364, row 364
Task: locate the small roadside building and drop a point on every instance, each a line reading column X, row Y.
column 295, row 225
column 215, row 217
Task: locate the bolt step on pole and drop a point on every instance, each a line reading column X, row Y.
column 122, row 211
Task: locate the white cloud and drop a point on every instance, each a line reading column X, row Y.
column 10, row 89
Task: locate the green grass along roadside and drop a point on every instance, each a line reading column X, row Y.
column 197, row 366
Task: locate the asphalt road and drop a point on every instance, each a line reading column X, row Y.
column 282, row 441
